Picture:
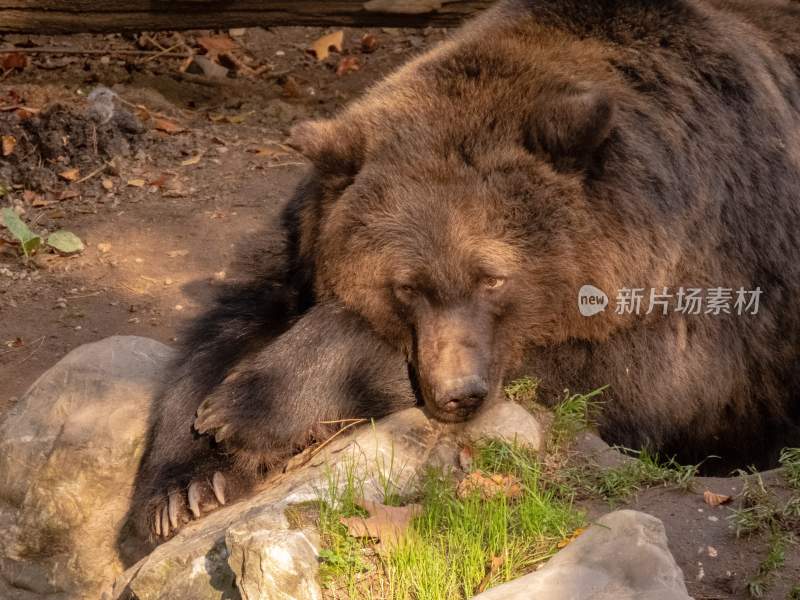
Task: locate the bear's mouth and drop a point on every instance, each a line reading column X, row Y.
column 456, row 415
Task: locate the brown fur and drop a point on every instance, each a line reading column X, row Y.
column 454, row 212
column 621, row 144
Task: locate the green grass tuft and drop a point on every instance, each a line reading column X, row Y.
column 758, row 585
column 447, row 553
column 523, row 391
column 762, row 512
column 647, row 470
column 790, row 461
column 572, row 415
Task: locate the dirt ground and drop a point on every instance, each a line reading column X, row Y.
column 165, row 171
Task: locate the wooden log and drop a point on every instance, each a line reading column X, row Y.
column 109, row 16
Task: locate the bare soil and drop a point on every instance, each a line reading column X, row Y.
column 175, row 172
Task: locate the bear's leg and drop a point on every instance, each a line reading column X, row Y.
column 242, row 320
column 328, row 366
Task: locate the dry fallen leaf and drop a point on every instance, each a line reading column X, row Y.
column 217, row 43
column 26, row 112
column 290, row 88
column 104, row 247
column 327, row 43
column 136, row 182
column 385, row 523
column 9, row 143
column 40, row 201
column 177, row 253
column 713, row 499
column 70, row 174
column 489, row 486
column 238, row 119
column 13, row 60
column 494, row 568
column 167, row 126
column 465, row 458
column 191, row 161
column 30, row 196
column 107, row 184
column 68, row 195
column 269, row 151
column 347, row 65
column 567, row 541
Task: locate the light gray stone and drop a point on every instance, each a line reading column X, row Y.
column 69, row 451
column 202, row 65
column 508, row 421
column 273, row 564
column 624, row 556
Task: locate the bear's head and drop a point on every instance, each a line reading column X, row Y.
column 460, row 233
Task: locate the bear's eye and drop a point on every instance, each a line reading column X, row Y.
column 405, row 292
column 493, row 283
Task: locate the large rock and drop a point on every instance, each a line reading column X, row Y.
column 205, row 560
column 68, row 457
column 624, row 556
column 69, row 451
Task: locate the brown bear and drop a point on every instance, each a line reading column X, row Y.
column 454, row 218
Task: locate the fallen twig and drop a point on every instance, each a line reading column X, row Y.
column 89, row 51
column 19, row 107
column 165, row 51
column 93, row 173
column 35, row 350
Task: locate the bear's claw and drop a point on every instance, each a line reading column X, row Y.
column 177, row 509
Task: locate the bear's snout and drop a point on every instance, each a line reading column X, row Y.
column 463, row 394
column 453, row 357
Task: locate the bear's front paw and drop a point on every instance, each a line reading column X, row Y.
column 213, row 418
column 175, row 508
column 227, row 410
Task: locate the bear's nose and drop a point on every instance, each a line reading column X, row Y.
column 463, row 393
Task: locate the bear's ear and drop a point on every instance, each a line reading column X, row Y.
column 332, row 145
column 570, row 126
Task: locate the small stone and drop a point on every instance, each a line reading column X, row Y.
column 272, row 563
column 104, row 247
column 624, row 555
column 204, row 66
column 220, row 275
column 712, row 552
column 508, row 421
column 178, row 307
